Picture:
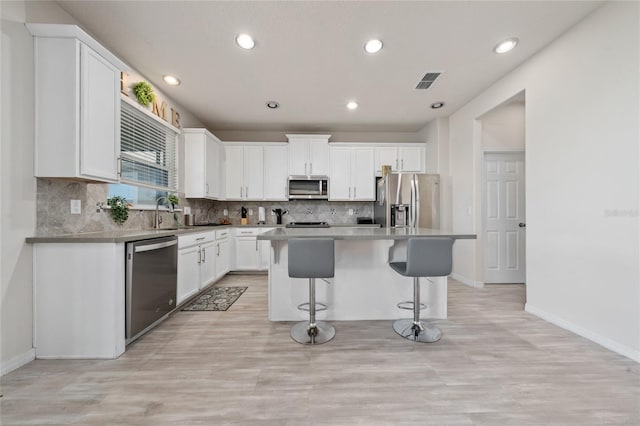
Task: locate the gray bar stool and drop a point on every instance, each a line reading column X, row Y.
column 426, row 257
column 312, row 258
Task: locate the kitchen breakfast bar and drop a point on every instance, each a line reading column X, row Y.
column 364, row 286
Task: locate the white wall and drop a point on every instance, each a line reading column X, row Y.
column 436, row 133
column 18, row 213
column 582, row 133
column 504, row 127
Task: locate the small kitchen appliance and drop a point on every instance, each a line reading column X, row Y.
column 279, row 213
column 261, row 216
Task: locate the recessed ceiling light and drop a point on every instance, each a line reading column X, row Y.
column 245, row 41
column 437, row 105
column 352, row 105
column 506, row 45
column 373, row 46
column 273, row 104
column 171, row 80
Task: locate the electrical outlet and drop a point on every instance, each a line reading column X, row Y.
column 333, row 211
column 76, row 207
column 356, row 211
column 225, row 212
column 350, row 212
column 250, row 212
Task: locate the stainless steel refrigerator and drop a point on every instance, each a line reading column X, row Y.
column 408, row 200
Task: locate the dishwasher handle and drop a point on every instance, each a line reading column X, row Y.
column 155, row 246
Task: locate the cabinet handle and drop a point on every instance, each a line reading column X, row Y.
column 199, row 256
column 354, row 192
column 241, row 192
column 349, row 192
column 207, row 189
column 200, row 239
column 396, row 164
column 246, row 192
column 402, row 164
column 256, row 244
column 218, row 249
column 310, row 168
column 119, row 166
column 305, row 168
column 204, row 255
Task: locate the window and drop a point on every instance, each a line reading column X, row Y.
column 147, row 149
column 141, row 197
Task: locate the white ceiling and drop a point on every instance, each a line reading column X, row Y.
column 309, row 56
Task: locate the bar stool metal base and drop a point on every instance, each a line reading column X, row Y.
column 424, row 332
column 303, row 333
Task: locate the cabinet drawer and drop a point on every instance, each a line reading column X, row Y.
column 222, row 234
column 247, row 232
column 194, row 239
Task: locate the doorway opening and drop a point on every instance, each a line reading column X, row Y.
column 503, row 220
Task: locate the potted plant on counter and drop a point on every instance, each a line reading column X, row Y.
column 119, row 209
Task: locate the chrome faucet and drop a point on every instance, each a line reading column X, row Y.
column 157, row 220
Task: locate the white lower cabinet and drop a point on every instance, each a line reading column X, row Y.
column 251, row 254
column 196, row 263
column 223, row 256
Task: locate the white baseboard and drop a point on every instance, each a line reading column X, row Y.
column 17, row 361
column 605, row 342
column 467, row 281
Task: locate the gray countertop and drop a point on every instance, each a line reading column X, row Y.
column 359, row 233
column 146, row 234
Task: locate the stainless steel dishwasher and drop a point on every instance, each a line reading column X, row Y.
column 151, row 283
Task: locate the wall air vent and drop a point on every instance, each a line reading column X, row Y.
column 428, row 79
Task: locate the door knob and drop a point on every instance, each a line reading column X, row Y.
column 522, row 225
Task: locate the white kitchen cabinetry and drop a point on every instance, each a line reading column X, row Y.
column 351, row 176
column 202, row 164
column 251, row 254
column 308, row 154
column 79, row 309
column 223, row 257
column 196, row 263
column 276, row 172
column 402, row 159
column 244, row 172
column 77, row 105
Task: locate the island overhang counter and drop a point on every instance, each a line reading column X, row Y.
column 364, row 286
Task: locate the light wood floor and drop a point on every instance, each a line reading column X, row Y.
column 495, row 365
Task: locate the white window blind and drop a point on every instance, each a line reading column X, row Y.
column 148, row 150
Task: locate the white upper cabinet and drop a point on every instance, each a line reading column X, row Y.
column 402, row 158
column 308, row 154
column 352, row 176
column 244, row 166
column 276, row 172
column 202, row 164
column 77, row 105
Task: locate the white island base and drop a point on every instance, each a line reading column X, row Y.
column 364, row 286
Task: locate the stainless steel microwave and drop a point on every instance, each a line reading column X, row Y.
column 308, row 187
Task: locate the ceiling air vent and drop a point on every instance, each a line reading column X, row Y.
column 428, row 79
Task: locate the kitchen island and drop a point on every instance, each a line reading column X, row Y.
column 364, row 286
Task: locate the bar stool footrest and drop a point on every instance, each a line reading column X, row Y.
column 408, row 305
column 319, row 307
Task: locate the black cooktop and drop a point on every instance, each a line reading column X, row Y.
column 307, row 225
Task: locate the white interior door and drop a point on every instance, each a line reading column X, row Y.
column 503, row 211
